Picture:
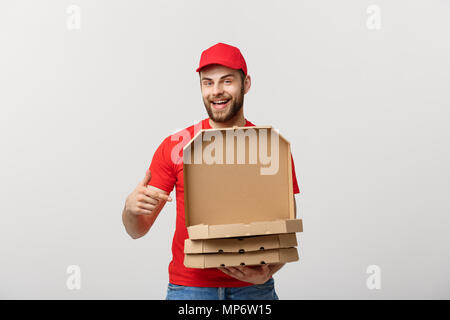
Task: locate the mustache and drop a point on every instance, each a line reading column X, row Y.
column 220, row 98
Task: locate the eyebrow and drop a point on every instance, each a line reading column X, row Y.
column 227, row 75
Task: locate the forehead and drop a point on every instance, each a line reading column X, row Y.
column 216, row 71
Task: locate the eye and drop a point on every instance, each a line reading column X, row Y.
column 227, row 81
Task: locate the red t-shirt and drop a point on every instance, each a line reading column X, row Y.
column 167, row 171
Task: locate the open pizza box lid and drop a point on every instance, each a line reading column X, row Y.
column 238, row 182
column 240, row 245
column 214, row 260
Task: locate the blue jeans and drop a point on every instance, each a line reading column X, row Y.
column 264, row 291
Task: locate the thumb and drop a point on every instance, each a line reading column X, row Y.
column 265, row 268
column 147, row 178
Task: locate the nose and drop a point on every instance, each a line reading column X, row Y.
column 218, row 89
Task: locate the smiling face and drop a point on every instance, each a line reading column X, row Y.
column 223, row 91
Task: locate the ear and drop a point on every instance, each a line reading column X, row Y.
column 247, row 84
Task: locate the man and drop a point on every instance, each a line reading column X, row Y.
column 224, row 82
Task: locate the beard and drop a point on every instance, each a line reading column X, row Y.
column 229, row 112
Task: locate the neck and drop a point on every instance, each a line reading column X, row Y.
column 238, row 120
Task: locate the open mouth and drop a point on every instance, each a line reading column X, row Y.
column 220, row 104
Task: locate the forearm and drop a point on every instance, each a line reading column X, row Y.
column 138, row 225
column 135, row 225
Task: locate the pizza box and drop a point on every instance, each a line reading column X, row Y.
column 240, row 245
column 215, row 260
column 238, row 182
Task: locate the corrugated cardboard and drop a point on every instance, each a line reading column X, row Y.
column 240, row 245
column 232, row 200
column 203, row 231
column 214, row 260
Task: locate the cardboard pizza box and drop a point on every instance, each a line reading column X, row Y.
column 215, row 260
column 238, row 182
column 240, row 245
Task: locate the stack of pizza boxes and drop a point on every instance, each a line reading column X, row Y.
column 238, row 198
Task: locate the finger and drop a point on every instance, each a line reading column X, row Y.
column 255, row 270
column 146, row 206
column 265, row 268
column 243, row 269
column 156, row 195
column 148, row 197
column 159, row 196
column 275, row 266
column 235, row 271
column 140, row 211
column 147, row 178
column 262, row 269
column 226, row 271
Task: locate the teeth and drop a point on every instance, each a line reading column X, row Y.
column 221, row 101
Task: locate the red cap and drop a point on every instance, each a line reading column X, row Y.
column 225, row 55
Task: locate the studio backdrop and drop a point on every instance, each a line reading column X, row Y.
column 89, row 89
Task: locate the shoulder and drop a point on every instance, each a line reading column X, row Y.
column 249, row 123
column 173, row 144
column 179, row 135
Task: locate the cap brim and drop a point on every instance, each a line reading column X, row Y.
column 225, row 64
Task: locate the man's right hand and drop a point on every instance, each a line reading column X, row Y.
column 143, row 200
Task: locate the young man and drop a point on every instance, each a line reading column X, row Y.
column 224, row 82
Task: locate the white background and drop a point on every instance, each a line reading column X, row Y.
column 366, row 111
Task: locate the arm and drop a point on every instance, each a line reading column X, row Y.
column 138, row 225
column 142, row 207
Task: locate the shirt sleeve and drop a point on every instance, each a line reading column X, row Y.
column 162, row 168
column 294, row 178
